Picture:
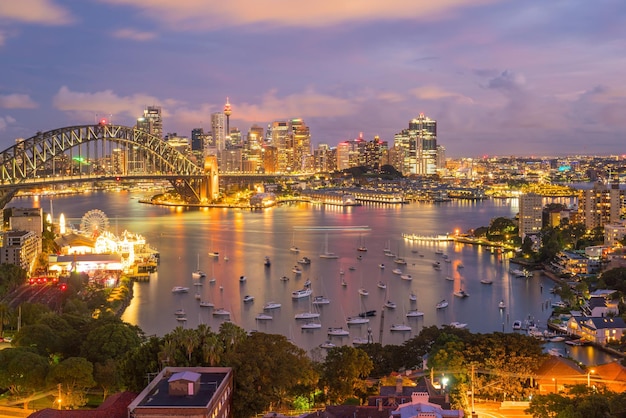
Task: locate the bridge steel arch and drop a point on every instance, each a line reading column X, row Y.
column 34, row 155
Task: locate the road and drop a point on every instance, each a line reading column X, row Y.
column 496, row 410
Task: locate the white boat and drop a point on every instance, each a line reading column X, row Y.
column 554, row 352
column 389, row 254
column 343, row 282
column 360, row 341
column 212, row 280
column 414, row 313
column 397, row 271
column 320, row 300
column 271, row 305
column 381, row 265
column 214, row 253
column 326, row 253
column 302, row 293
column 284, row 278
column 296, row 270
column 180, row 289
column 263, row 317
column 311, row 325
column 307, row 283
column 293, row 247
column 338, row 332
column 242, row 279
column 517, row 325
column 198, row 274
column 351, row 268
column 486, row 281
column 406, row 277
column 180, row 312
column 437, row 265
column 382, row 285
column 206, row 304
column 413, row 297
column 442, row 304
column 327, row 345
column 390, row 305
column 400, row 327
column 307, row 315
column 181, row 318
column 198, row 284
column 304, row 261
column 248, row 298
column 197, row 296
column 363, row 292
column 399, row 260
column 221, row 312
column 520, row 273
column 459, row 325
column 559, row 304
column 461, row 293
column 226, row 258
column 361, row 247
column 356, row 320
column 502, row 305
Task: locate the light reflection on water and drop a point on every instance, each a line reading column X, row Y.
column 246, row 237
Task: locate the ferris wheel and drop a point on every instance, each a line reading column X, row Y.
column 94, row 223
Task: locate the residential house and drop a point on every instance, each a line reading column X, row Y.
column 598, row 330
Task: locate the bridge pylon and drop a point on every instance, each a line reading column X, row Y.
column 210, row 184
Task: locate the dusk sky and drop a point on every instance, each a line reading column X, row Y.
column 530, row 77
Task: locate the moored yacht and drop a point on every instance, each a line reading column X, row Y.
column 271, row 305
column 400, row 327
column 441, row 304
column 302, row 293
column 414, row 313
column 320, row 300
column 180, row 289
column 338, row 332
column 356, row 320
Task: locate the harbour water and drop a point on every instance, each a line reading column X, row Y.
column 185, row 237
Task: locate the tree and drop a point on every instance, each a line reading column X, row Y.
column 75, row 375
column 39, row 337
column 107, row 376
column 270, row 371
column 22, row 371
column 578, row 402
column 109, row 341
column 138, row 363
column 344, row 371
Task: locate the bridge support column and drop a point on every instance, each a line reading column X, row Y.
column 210, row 185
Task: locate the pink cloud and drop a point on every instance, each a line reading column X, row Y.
column 134, row 35
column 45, row 12
column 437, row 93
column 203, row 14
column 17, row 101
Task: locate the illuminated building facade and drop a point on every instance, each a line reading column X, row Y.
column 151, row 122
column 530, row 214
column 600, row 205
column 419, row 146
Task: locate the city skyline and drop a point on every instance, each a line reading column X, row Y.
column 500, row 78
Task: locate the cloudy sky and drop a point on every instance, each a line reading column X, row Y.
column 531, row 77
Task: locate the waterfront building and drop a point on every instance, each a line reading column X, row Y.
column 419, row 146
column 20, row 248
column 301, row 145
column 376, row 153
column 325, row 159
column 598, row 330
column 600, row 205
column 186, row 392
column 282, row 141
column 30, row 219
column 151, row 121
column 530, row 214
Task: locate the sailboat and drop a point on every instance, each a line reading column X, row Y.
column 361, row 247
column 326, row 253
column 293, row 247
column 198, row 274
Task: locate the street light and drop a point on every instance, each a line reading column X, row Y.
column 555, row 387
column 589, row 376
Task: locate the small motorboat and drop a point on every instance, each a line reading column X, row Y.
column 206, row 304
column 248, row 298
column 338, row 332
column 320, row 300
column 242, row 279
column 414, row 313
column 381, row 265
column 263, row 317
column 356, row 320
column 459, row 325
column 400, row 327
column 441, row 304
column 307, row 315
column 221, row 312
column 397, row 271
column 461, row 294
column 502, row 305
column 296, row 270
column 271, row 305
column 406, row 277
column 517, row 325
column 486, row 281
column 311, row 325
column 413, row 297
column 390, row 305
column 382, row 285
column 327, row 345
column 363, row 292
column 180, row 289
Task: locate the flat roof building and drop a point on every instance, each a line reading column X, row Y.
column 190, row 392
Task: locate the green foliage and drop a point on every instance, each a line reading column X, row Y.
column 11, row 277
column 22, row 371
column 110, row 341
column 75, row 375
column 578, row 402
column 615, row 279
column 344, row 371
column 138, row 363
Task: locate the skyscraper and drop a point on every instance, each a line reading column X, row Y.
column 218, row 120
column 151, row 122
column 419, row 144
column 530, row 214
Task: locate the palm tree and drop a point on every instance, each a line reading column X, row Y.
column 190, row 341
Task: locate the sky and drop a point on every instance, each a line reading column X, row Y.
column 514, row 77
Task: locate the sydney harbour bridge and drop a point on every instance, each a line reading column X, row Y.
column 102, row 152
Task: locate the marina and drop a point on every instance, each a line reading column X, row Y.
column 181, row 235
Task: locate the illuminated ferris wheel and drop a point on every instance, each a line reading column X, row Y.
column 94, row 223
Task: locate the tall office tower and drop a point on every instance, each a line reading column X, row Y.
column 282, row 141
column 301, row 145
column 419, row 143
column 234, row 138
column 324, row 159
column 255, row 137
column 530, row 214
column 441, row 157
column 151, row 122
column 343, row 155
column 197, row 139
column 218, row 129
column 227, row 111
column 600, row 205
column 270, row 159
column 252, row 155
column 375, row 150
